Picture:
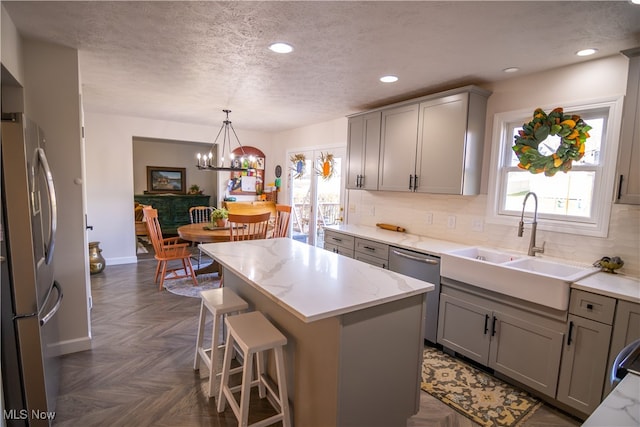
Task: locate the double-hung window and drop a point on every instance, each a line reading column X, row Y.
column 578, row 201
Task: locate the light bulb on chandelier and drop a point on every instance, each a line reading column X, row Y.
column 205, row 162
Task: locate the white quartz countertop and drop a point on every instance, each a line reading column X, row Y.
column 613, row 285
column 621, row 407
column 399, row 239
column 312, row 283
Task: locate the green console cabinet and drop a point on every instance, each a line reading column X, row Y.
column 173, row 209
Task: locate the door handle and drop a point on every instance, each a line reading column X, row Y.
column 569, row 334
column 486, row 324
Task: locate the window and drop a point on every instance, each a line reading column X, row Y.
column 578, row 201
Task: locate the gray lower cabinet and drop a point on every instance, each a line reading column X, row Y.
column 339, row 243
column 585, row 351
column 371, row 252
column 518, row 340
column 626, row 329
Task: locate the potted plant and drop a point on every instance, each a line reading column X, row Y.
column 219, row 217
column 195, row 189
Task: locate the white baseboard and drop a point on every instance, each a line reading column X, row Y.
column 71, row 346
column 121, row 260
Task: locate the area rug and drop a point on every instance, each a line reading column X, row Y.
column 474, row 393
column 185, row 287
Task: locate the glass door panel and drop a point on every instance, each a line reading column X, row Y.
column 317, row 192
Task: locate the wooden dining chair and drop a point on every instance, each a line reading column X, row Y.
column 166, row 250
column 197, row 215
column 283, row 214
column 248, row 227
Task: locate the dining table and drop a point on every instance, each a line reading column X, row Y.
column 205, row 233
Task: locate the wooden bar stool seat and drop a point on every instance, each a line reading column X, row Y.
column 253, row 335
column 220, row 303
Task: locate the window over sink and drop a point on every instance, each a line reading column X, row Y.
column 577, row 202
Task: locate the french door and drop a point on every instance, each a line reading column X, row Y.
column 316, row 187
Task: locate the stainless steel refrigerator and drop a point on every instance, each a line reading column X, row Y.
column 30, row 295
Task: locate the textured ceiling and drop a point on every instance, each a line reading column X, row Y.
column 186, row 61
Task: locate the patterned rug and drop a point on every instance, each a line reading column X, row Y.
column 474, row 393
column 184, row 287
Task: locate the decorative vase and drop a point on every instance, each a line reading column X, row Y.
column 96, row 260
column 221, row 222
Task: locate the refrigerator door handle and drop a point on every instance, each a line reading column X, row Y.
column 44, row 319
column 42, row 160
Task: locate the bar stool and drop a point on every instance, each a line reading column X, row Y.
column 252, row 334
column 220, row 303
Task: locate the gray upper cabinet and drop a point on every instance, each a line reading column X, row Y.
column 450, row 141
column 434, row 144
column 364, row 151
column 628, row 176
column 398, row 148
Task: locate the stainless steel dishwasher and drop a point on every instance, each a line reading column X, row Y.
column 423, row 267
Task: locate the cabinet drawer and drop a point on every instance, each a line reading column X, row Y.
column 378, row 262
column 371, row 248
column 592, row 306
column 339, row 239
column 338, row 249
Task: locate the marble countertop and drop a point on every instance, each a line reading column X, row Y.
column 613, row 285
column 621, row 407
column 312, row 283
column 399, row 239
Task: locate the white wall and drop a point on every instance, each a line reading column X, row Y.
column 110, row 172
column 331, row 133
column 52, row 99
column 176, row 154
column 590, row 80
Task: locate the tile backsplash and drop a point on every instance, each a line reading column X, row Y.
column 462, row 219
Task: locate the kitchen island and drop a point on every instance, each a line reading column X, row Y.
column 354, row 351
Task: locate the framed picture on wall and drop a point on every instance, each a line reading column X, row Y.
column 162, row 179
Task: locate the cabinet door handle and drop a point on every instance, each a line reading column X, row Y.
column 335, row 239
column 493, row 326
column 361, row 181
column 486, row 324
column 415, row 182
column 369, row 248
column 410, row 182
column 620, row 187
column 570, row 332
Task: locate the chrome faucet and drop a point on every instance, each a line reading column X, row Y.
column 533, row 249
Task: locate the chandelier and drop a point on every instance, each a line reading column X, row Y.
column 205, row 161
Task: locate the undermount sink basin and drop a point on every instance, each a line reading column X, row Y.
column 537, row 280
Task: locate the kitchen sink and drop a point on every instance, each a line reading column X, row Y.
column 487, row 255
column 568, row 272
column 541, row 281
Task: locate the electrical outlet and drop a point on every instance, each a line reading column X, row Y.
column 428, row 218
column 477, row 225
column 451, row 221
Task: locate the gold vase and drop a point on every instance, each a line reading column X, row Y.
column 96, row 260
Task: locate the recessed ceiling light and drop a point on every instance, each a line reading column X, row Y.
column 511, row 69
column 388, row 79
column 635, row 1
column 586, row 52
column 281, row 47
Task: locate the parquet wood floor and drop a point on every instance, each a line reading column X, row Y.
column 140, row 369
